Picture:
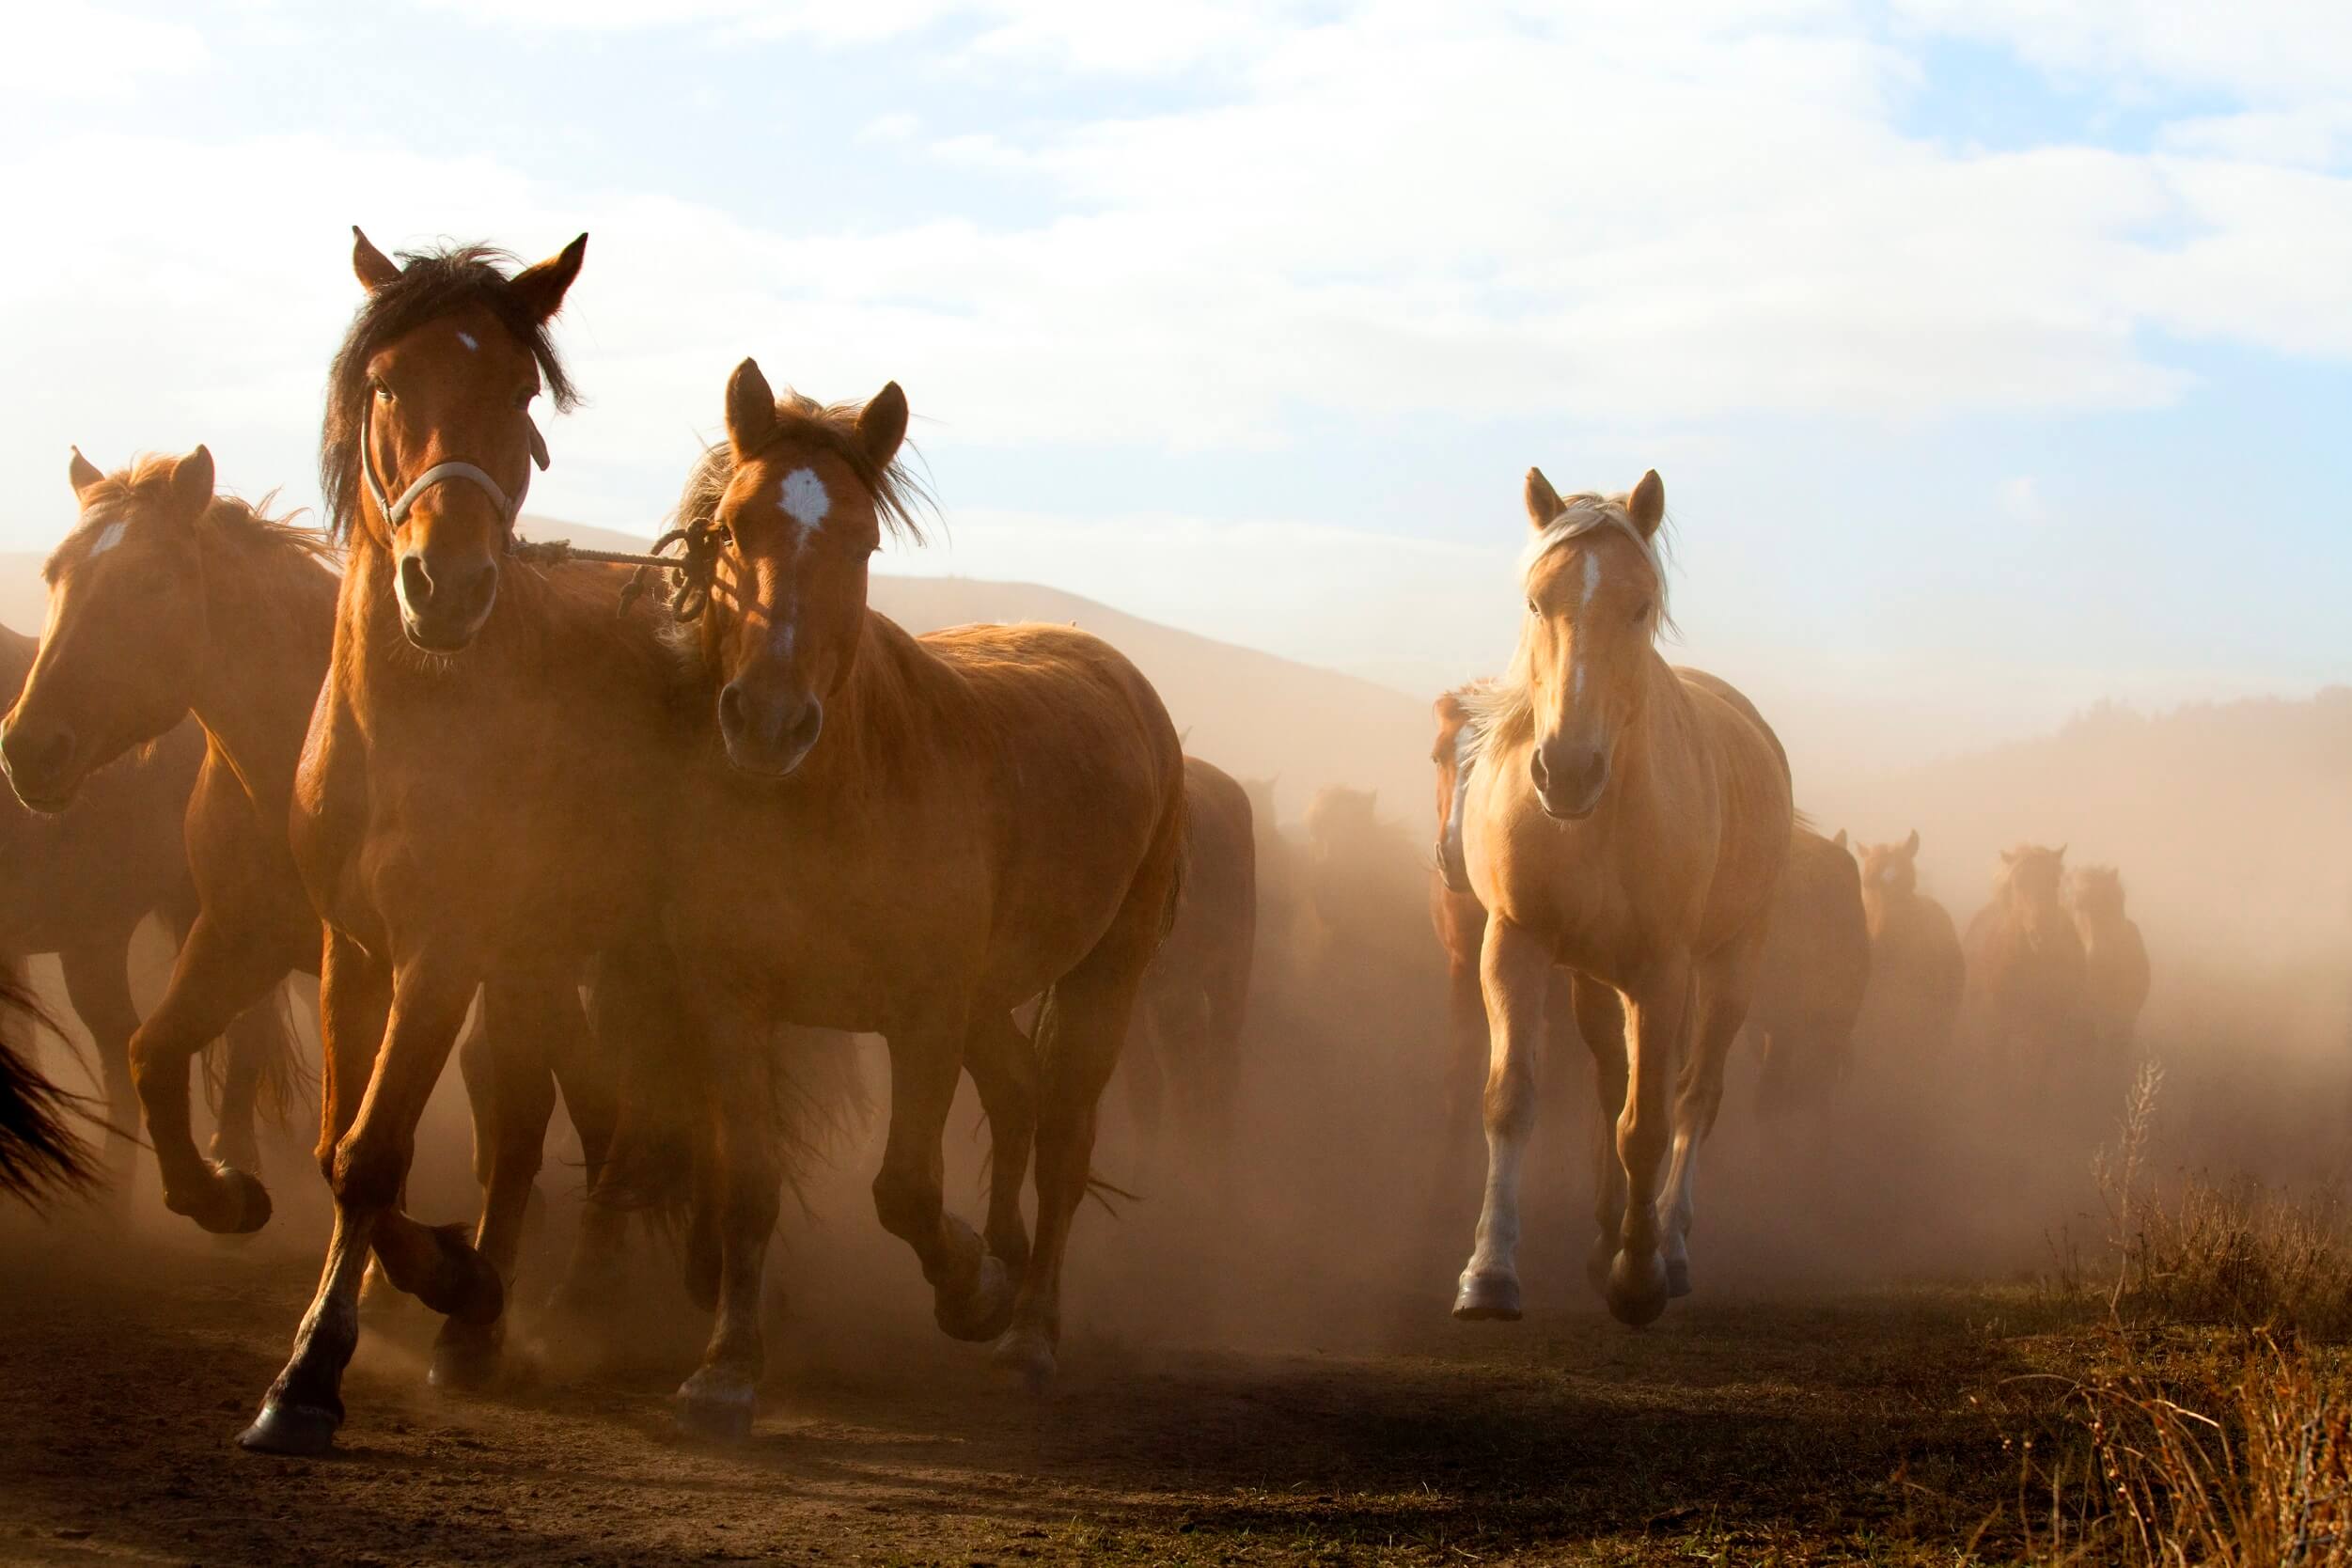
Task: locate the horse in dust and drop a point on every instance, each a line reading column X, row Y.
column 2026, row 972
column 1273, row 963
column 1630, row 821
column 100, row 851
column 39, row 1153
column 907, row 837
column 1460, row 922
column 1186, row 1041
column 1917, row 973
column 1817, row 971
column 2116, row 959
column 1364, row 967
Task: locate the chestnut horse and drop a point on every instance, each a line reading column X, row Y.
column 1916, row 971
column 2026, row 970
column 168, row 599
column 1187, row 1039
column 1630, row 821
column 906, row 837
column 2116, row 959
column 481, row 793
column 1817, row 970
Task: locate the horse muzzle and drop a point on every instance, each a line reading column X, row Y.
column 1570, row 782
column 769, row 736
column 40, row 765
column 445, row 607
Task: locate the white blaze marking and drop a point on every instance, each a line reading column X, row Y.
column 1591, row 577
column 108, row 537
column 805, row 498
column 467, row 338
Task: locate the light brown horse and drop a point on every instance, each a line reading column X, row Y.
column 483, row 788
column 2026, row 972
column 1817, row 970
column 1916, row 971
column 1186, row 1045
column 1630, row 821
column 906, row 837
column 168, row 599
column 2116, row 959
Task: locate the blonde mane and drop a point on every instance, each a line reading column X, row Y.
column 1501, row 711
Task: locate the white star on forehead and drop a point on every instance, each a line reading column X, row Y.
column 806, row 498
column 108, row 537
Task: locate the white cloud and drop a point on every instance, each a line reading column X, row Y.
column 2021, row 498
column 69, row 49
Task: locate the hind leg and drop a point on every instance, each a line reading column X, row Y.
column 1601, row 1020
column 1003, row 1065
column 1144, row 1069
column 1722, row 1010
column 99, row 985
column 256, row 1047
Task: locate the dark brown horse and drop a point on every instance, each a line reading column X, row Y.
column 908, row 836
column 2115, row 957
column 1917, row 973
column 1816, row 969
column 2026, row 972
column 482, row 791
column 104, row 851
column 1187, row 1039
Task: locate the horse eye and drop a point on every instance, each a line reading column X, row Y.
column 1531, row 609
column 382, row 391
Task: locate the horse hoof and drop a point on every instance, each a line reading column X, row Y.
column 1636, row 1291
column 464, row 1358
column 983, row 1312
column 1025, row 1355
column 1678, row 1277
column 1487, row 1298
column 304, row 1430
column 465, row 1286
column 715, row 1408
column 231, row 1203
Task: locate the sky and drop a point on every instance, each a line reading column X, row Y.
column 1997, row 358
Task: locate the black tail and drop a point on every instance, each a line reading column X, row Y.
column 284, row 1087
column 41, row 1157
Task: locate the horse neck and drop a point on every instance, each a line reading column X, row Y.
column 1663, row 718
column 869, row 721
column 270, row 618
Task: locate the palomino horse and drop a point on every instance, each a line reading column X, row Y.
column 1460, row 921
column 481, row 793
column 78, row 884
column 907, row 837
column 1816, row 969
column 2115, row 959
column 2026, row 966
column 1187, row 1039
column 39, row 1155
column 1916, row 971
column 1630, row 821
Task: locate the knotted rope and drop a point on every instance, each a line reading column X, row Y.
column 695, row 565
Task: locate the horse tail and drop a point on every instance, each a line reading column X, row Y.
column 39, row 1153
column 266, row 1036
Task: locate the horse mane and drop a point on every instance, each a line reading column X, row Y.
column 230, row 519
column 1502, row 710
column 898, row 492
column 433, row 283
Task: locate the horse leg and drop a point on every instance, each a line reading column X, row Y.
column 1514, row 971
column 971, row 1286
column 98, row 983
column 1146, row 1062
column 377, row 1104
column 1468, row 1054
column 524, row 1019
column 1658, row 1023
column 1601, row 1020
column 217, row 975
column 1003, row 1064
column 737, row 1197
column 1722, row 1010
column 256, row 1047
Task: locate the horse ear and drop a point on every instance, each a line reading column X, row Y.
column 1911, row 845
column 1544, row 507
column 1646, row 505
column 542, row 288
column 2060, row 853
column 374, row 268
column 882, row 424
column 1839, row 840
column 751, row 409
column 1448, row 709
column 82, row 472
column 191, row 482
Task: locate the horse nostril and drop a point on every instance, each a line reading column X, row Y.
column 37, row 756
column 805, row 727
column 1537, row 771
column 731, row 712
column 415, row 581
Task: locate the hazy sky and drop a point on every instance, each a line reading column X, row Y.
column 1993, row 363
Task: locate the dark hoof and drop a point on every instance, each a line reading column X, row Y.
column 1024, row 1354
column 983, row 1312
column 301, row 1430
column 716, row 1407
column 465, row 1286
column 1637, row 1289
column 465, row 1358
column 229, row 1203
column 1678, row 1277
column 1487, row 1298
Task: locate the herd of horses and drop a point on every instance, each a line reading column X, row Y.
column 680, row 847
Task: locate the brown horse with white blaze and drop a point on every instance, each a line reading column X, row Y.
column 908, row 836
column 1630, row 821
